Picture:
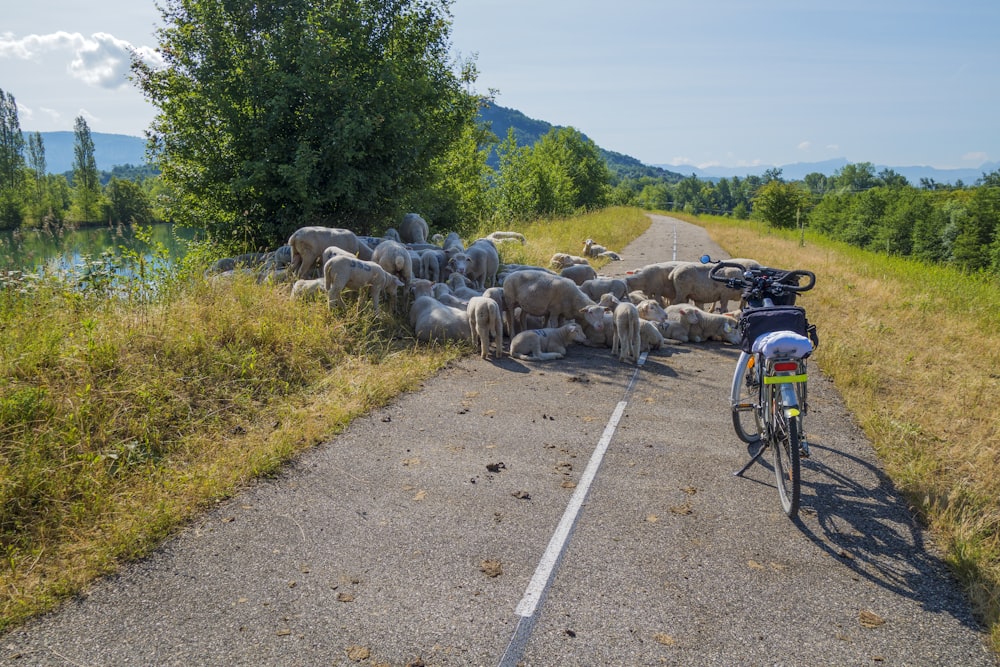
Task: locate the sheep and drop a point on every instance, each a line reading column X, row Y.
column 610, row 254
column 713, row 326
column 413, row 229
column 650, row 309
column 432, row 261
column 591, row 249
column 540, row 293
column 392, row 234
column 546, row 344
column 452, row 244
column 395, row 259
column 308, row 244
column 308, row 288
column 654, row 280
column 341, row 272
column 504, row 237
column 579, row 273
column 479, row 262
column 331, row 251
column 650, row 336
column 691, row 283
column 595, row 287
column 561, row 260
column 485, row 322
column 420, row 287
column 626, row 339
column 434, row 321
column 680, row 319
column 462, row 287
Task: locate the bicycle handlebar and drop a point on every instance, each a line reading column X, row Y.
column 762, row 281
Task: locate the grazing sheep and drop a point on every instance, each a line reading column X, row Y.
column 342, row 272
column 413, row 229
column 650, row 336
column 434, row 321
column 504, row 237
column 309, row 288
column 485, row 322
column 561, row 260
column 655, row 281
column 546, row 344
column 626, row 340
column 691, row 283
column 540, row 293
column 395, row 259
column 595, row 287
column 579, row 273
column 308, row 244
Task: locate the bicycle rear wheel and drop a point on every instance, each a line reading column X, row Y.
column 787, row 464
column 745, row 399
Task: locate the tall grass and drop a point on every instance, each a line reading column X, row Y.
column 915, row 350
column 129, row 402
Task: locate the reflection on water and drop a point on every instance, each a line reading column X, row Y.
column 32, row 250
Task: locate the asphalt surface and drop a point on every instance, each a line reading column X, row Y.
column 574, row 512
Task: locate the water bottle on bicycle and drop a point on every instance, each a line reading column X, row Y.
column 768, row 397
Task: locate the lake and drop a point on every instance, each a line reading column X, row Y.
column 31, row 250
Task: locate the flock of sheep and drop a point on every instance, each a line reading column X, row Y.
column 451, row 291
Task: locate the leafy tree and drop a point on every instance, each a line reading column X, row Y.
column 36, row 161
column 569, row 173
column 127, row 203
column 781, row 204
column 276, row 115
column 856, row 177
column 86, row 181
column 978, row 231
column 892, row 179
column 11, row 162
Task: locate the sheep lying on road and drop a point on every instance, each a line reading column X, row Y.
column 546, row 344
column 342, row 273
column 650, row 336
column 485, row 322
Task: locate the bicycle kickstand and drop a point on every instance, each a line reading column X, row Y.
column 753, row 459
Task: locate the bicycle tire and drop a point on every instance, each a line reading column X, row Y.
column 787, row 462
column 745, row 401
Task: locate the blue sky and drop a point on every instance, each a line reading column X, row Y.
column 733, row 83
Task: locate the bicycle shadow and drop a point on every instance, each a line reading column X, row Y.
column 869, row 529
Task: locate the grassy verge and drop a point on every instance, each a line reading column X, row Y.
column 914, row 350
column 122, row 414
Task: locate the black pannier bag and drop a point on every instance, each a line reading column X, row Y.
column 755, row 322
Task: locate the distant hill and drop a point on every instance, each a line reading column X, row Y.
column 110, row 150
column 798, row 170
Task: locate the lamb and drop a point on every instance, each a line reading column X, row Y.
column 432, row 262
column 413, row 229
column 595, row 287
column 460, row 287
column 342, row 273
column 395, row 259
column 579, row 273
column 308, row 288
column 691, row 282
column 680, row 319
column 504, row 237
column 650, row 309
column 433, row 321
column 308, row 244
column 420, row 287
column 561, row 260
column 541, row 293
column 485, row 321
column 650, row 336
column 654, row 280
column 626, row 341
column 480, row 262
column 712, row 326
column 546, row 344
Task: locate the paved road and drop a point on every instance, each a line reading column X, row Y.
column 578, row 512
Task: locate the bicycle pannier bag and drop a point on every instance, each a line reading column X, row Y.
column 758, row 321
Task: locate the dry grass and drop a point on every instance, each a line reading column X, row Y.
column 915, row 351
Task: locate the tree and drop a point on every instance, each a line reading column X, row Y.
column 36, row 161
column 11, row 162
column 276, row 115
column 856, row 177
column 86, row 180
column 781, row 204
column 127, row 203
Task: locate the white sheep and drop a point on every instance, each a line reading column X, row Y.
column 341, row 272
column 479, row 262
column 485, row 322
column 655, row 280
column 650, row 309
column 421, row 287
column 308, row 288
column 540, row 293
column 591, row 249
column 691, row 283
column 434, row 321
column 579, row 273
column 396, row 260
column 610, row 254
column 413, row 229
column 595, row 287
column 561, row 260
column 626, row 340
column 308, row 244
column 680, row 319
column 650, row 336
column 713, row 326
column 504, row 237
column 546, row 344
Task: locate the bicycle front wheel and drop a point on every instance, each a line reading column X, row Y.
column 745, row 399
column 787, row 464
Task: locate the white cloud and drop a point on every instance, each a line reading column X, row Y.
column 804, row 145
column 102, row 60
column 977, row 156
column 87, row 116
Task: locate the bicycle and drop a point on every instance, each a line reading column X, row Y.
column 768, row 398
